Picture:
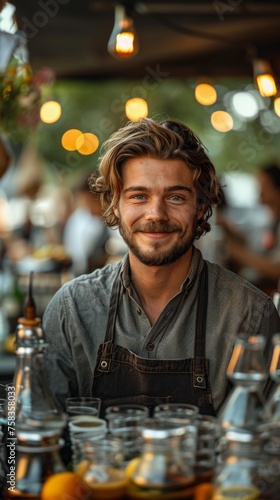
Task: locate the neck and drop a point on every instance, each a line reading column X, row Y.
column 156, row 285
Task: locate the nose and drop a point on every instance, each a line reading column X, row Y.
column 156, row 210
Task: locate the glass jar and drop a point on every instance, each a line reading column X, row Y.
column 160, row 470
column 208, row 434
column 102, row 468
column 82, row 429
column 180, row 410
column 124, row 422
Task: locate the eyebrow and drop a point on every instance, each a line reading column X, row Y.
column 167, row 190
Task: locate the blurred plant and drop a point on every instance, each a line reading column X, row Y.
column 20, row 98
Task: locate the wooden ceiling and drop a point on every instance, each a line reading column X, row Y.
column 182, row 38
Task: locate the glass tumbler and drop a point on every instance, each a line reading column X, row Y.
column 123, row 422
column 82, row 406
column 208, row 433
column 102, row 468
column 82, row 429
column 179, row 410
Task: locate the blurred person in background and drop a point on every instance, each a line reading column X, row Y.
column 265, row 264
column 85, row 234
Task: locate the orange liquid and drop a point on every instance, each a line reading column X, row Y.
column 114, row 489
column 134, row 493
column 20, row 496
column 237, row 493
column 109, row 491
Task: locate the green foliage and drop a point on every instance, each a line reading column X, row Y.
column 19, row 100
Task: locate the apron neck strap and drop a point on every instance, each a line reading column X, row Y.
column 201, row 316
column 113, row 308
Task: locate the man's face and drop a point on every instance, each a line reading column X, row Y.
column 157, row 209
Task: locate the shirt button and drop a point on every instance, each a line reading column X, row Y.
column 139, row 311
column 150, row 346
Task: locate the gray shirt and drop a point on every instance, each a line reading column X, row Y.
column 75, row 324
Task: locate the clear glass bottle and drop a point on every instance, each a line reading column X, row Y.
column 37, row 456
column 244, row 406
column 276, row 300
column 242, row 472
column 272, row 406
column 2, row 450
column 31, row 391
column 33, row 423
column 160, row 470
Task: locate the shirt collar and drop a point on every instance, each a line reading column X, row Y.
column 196, row 267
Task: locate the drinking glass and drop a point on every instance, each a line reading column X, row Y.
column 102, row 468
column 124, row 422
column 185, row 410
column 81, row 429
column 208, row 434
column 82, row 406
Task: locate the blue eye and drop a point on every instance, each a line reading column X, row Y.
column 138, row 197
column 176, row 197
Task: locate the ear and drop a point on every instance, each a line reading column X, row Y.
column 200, row 211
column 116, row 212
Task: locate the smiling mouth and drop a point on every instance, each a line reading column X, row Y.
column 158, row 234
column 152, row 228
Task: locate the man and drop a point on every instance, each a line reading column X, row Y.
column 85, row 235
column 159, row 325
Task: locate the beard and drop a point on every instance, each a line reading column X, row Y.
column 158, row 256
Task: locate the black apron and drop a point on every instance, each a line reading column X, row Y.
column 120, row 376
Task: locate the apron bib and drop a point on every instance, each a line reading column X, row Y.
column 120, row 376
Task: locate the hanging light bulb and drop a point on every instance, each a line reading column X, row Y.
column 264, row 78
column 276, row 105
column 123, row 42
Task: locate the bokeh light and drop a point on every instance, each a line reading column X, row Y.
column 87, row 143
column 205, row 94
column 50, row 112
column 222, row 121
column 245, row 105
column 277, row 106
column 136, row 108
column 69, row 139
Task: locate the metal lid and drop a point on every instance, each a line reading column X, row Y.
column 29, row 336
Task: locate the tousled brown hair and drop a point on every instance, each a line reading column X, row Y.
column 165, row 140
